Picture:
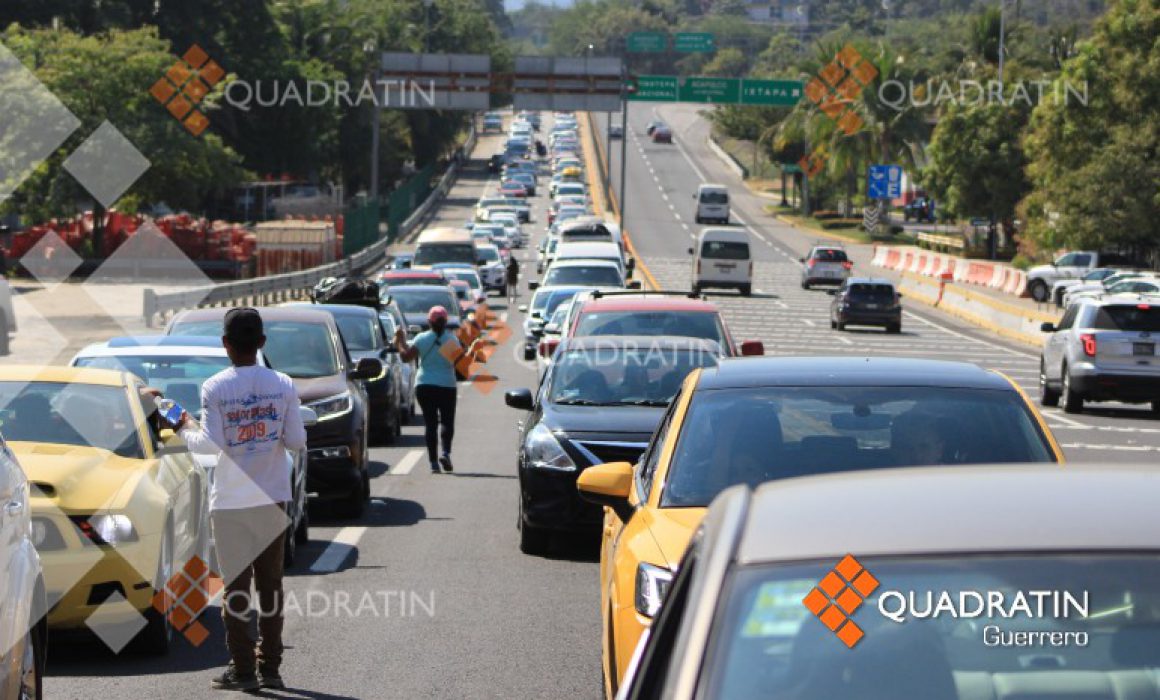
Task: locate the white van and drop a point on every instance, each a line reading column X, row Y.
column 723, row 258
column 712, row 204
column 590, row 250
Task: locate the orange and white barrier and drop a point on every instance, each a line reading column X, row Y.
column 948, row 267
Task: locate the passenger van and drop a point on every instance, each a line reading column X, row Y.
column 591, row 229
column 444, row 245
column 723, row 259
column 712, row 204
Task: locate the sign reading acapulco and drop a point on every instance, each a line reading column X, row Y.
column 843, row 590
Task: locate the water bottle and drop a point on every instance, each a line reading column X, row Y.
column 169, row 410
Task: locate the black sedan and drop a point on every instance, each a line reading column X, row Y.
column 863, row 301
column 415, row 300
column 600, row 402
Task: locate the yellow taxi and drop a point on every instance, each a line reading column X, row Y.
column 749, row 421
column 118, row 503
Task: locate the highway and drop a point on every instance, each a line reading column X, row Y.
column 428, row 596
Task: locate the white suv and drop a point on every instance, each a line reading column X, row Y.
column 1104, row 349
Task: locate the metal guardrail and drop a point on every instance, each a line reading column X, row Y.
column 937, row 239
column 276, row 288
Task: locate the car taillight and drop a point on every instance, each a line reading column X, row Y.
column 547, row 347
column 1089, row 344
column 810, row 264
column 848, row 265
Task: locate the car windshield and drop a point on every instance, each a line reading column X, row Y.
column 71, row 413
column 361, row 333
column 432, row 253
column 179, row 377
column 464, row 275
column 710, row 197
column 301, row 349
column 616, row 375
column 690, row 324
column 587, row 275
column 420, row 301
column 725, row 250
column 1143, row 318
column 753, row 435
column 871, row 292
column 1099, row 629
column 830, row 255
column 488, row 254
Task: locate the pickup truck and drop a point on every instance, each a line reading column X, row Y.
column 1071, row 265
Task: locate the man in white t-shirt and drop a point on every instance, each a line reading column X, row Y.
column 250, row 419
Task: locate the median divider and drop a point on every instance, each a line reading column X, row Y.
column 598, row 180
column 294, row 285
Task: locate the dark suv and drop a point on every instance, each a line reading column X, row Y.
column 862, row 301
column 306, row 344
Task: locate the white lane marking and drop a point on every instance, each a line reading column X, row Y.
column 1117, row 448
column 808, row 322
column 847, row 341
column 407, row 463
column 944, row 329
column 664, row 195
column 337, row 551
column 684, row 226
column 1056, row 414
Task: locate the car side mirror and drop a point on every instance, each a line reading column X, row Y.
column 523, row 308
column 608, row 485
column 691, row 251
column 635, row 284
column 1047, row 327
column 309, row 417
column 752, row 348
column 519, row 398
column 366, row 368
column 533, row 286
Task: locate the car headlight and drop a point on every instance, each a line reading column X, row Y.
column 333, row 406
column 112, row 529
column 652, row 583
column 544, row 452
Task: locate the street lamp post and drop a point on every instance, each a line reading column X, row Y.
column 369, row 48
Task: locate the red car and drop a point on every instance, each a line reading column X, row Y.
column 662, row 134
column 394, row 278
column 651, row 314
column 513, row 189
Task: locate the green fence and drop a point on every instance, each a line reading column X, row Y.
column 362, row 218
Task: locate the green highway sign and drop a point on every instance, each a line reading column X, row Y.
column 711, row 90
column 647, row 42
column 655, row 88
column 779, row 93
column 693, row 42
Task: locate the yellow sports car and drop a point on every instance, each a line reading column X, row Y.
column 118, row 504
column 752, row 420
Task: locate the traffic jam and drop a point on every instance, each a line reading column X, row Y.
column 730, row 517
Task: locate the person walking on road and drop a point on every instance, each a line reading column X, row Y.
column 250, row 418
column 513, row 279
column 438, row 352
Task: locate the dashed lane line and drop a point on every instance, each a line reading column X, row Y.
column 338, row 550
column 407, row 463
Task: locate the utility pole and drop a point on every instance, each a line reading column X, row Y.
column 370, row 49
column 1002, row 39
column 623, row 151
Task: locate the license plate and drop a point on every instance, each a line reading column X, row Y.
column 1143, row 349
column 871, row 306
column 830, row 273
column 726, row 266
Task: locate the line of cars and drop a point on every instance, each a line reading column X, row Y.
column 646, row 410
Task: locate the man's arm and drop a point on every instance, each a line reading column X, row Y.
column 293, row 431
column 208, row 438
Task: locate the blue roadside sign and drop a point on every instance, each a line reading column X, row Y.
column 885, row 182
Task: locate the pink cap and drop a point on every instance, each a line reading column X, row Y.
column 436, row 313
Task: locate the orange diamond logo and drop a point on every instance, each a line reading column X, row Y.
column 832, row 600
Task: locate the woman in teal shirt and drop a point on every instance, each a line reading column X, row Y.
column 437, row 350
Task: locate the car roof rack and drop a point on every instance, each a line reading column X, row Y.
column 597, row 294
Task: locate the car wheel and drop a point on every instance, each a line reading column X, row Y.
column 289, row 546
column 32, row 666
column 354, row 504
column 746, row 290
column 1047, row 395
column 302, row 532
column 155, row 637
column 894, row 328
column 805, row 285
column 1072, row 402
column 697, row 289
column 390, row 429
column 1038, row 290
column 833, row 324
column 533, row 540
column 840, row 326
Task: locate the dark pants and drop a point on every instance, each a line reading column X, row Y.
column 249, row 545
column 438, row 406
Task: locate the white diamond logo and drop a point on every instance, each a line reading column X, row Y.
column 106, row 164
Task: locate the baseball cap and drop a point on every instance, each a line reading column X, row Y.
column 242, row 324
column 436, row 313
